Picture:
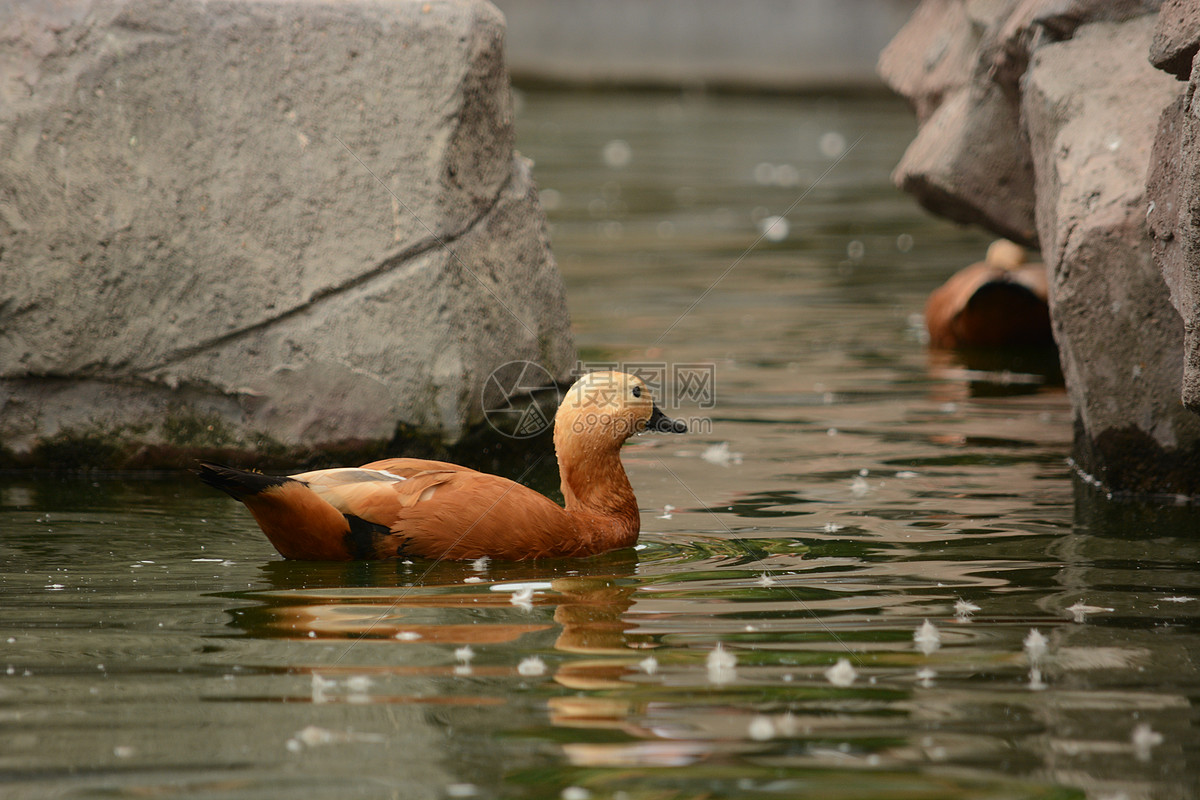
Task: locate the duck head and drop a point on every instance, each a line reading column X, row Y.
column 606, row 408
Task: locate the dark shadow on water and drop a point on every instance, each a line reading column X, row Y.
column 1134, row 518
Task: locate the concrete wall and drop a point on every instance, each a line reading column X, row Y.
column 791, row 45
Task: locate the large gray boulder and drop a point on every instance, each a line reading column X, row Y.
column 248, row 224
column 1176, row 37
column 1173, row 212
column 1120, row 339
column 967, row 162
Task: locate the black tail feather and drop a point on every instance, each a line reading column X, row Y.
column 237, row 483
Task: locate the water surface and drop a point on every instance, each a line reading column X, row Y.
column 841, row 488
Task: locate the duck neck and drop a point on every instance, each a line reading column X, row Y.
column 596, row 488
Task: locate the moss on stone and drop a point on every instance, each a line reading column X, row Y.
column 186, row 428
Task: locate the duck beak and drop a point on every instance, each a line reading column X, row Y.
column 663, row 424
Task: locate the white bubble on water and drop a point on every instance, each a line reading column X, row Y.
column 963, row 609
column 612, row 230
column 358, row 683
column 1144, row 740
column 774, row 229
column 927, row 638
column 787, row 175
column 617, row 153
column 761, row 728
column 721, row 665
column 904, row 242
column 1036, row 646
column 842, row 673
column 531, row 666
column 1080, row 611
column 832, row 144
column 551, row 199
column 721, row 455
column 522, row 599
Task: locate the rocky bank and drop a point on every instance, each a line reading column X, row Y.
column 1069, row 125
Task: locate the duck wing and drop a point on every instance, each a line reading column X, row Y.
column 365, row 513
column 436, row 512
column 407, row 467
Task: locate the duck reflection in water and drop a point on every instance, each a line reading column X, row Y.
column 455, row 604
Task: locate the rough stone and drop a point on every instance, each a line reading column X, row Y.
column 970, row 164
column 1118, row 335
column 932, row 56
column 960, row 63
column 1176, row 37
column 304, row 221
column 1173, row 216
column 968, row 161
column 1086, row 106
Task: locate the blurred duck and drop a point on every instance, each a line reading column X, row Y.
column 998, row 302
column 407, row 507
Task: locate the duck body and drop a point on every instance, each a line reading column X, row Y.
column 998, row 302
column 417, row 508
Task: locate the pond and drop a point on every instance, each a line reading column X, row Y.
column 835, row 594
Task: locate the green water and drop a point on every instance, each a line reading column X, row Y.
column 842, row 487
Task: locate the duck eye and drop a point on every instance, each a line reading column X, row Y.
column 637, row 391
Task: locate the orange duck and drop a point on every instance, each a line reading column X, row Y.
column 409, row 507
column 998, row 302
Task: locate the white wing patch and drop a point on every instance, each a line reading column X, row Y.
column 345, row 475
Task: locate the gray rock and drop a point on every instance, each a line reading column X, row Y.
column 303, row 222
column 968, row 162
column 1171, row 229
column 1174, row 196
column 1176, row 37
column 1119, row 337
column 960, row 63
